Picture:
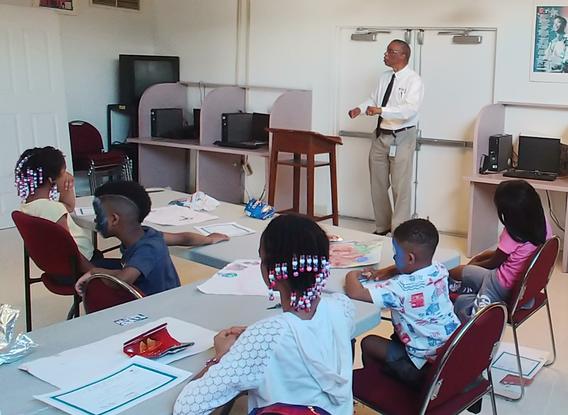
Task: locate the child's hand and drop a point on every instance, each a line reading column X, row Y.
column 213, row 238
column 66, row 182
column 225, row 339
column 79, row 285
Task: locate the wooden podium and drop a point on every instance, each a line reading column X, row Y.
column 309, row 144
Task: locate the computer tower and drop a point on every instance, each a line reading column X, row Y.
column 236, row 127
column 166, row 122
column 500, row 151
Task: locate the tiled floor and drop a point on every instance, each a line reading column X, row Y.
column 546, row 396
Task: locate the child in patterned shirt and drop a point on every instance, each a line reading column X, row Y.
column 416, row 291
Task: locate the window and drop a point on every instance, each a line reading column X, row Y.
column 123, row 4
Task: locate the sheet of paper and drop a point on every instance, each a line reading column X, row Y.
column 173, row 215
column 84, row 211
column 231, row 229
column 351, row 254
column 242, row 277
column 117, row 390
column 82, row 363
column 504, row 368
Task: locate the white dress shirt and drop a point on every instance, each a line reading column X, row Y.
column 406, row 97
column 283, row 359
column 555, row 54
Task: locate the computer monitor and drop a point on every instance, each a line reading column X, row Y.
column 539, row 154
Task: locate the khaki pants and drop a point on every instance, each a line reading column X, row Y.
column 391, row 171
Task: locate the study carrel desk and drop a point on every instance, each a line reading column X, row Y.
column 483, row 221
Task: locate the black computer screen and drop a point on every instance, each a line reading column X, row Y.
column 539, row 153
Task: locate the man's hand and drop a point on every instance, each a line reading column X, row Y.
column 215, row 237
column 374, row 110
column 79, row 285
column 354, row 113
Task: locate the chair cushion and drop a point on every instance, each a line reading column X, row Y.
column 106, row 159
column 387, row 395
column 62, row 285
column 520, row 315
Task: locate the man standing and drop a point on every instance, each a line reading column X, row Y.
column 396, row 101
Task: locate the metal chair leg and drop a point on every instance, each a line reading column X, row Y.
column 551, row 331
column 27, row 291
column 492, row 393
column 521, row 380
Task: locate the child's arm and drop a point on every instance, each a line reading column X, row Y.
column 66, row 188
column 491, row 260
column 381, row 274
column 354, row 289
column 193, row 239
column 128, row 275
column 481, row 257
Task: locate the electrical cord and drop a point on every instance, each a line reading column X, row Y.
column 552, row 214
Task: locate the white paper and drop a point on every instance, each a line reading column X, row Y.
column 173, row 215
column 505, row 363
column 241, row 277
column 230, row 229
column 80, row 364
column 116, row 391
column 84, row 211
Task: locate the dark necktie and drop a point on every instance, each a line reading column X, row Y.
column 385, row 101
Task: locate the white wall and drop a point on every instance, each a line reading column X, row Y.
column 91, row 41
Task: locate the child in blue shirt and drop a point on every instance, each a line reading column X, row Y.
column 120, row 208
column 416, row 291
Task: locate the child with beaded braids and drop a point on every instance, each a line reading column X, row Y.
column 301, row 356
column 47, row 191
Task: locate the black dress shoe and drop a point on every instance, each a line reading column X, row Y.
column 384, row 233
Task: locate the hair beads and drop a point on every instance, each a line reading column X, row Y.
column 310, row 263
column 27, row 180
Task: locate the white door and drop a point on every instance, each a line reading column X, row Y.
column 32, row 96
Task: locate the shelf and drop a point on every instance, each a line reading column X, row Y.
column 533, row 105
column 302, row 163
column 194, row 145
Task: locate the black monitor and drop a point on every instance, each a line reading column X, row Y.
column 138, row 72
column 539, row 154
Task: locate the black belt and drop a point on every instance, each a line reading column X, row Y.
column 394, row 132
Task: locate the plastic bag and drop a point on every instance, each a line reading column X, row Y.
column 12, row 348
column 259, row 209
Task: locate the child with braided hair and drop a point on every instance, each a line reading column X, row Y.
column 47, row 191
column 301, row 356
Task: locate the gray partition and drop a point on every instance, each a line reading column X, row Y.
column 168, row 95
column 217, row 102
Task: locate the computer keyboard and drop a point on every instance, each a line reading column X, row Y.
column 528, row 174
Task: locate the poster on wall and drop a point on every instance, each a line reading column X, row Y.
column 64, row 6
column 549, row 60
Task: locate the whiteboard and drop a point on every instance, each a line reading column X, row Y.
column 459, row 81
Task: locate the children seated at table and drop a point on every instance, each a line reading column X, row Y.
column 301, row 356
column 47, row 191
column 416, row 291
column 490, row 276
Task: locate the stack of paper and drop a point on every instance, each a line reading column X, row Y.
column 353, row 254
column 242, row 277
column 174, row 215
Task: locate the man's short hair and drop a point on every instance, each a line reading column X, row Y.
column 132, row 191
column 404, row 46
column 420, row 233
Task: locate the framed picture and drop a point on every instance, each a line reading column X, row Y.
column 549, row 50
column 63, row 6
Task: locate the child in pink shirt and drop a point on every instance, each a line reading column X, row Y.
column 490, row 276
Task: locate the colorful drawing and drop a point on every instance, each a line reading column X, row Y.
column 355, row 254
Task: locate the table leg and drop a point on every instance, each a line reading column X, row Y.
column 482, row 233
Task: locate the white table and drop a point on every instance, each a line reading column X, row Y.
column 185, row 303
column 246, row 247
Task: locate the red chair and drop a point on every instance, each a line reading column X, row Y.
column 87, row 154
column 55, row 252
column 103, row 291
column 533, row 287
column 452, row 383
column 284, row 409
